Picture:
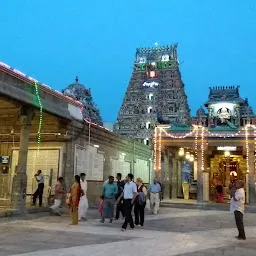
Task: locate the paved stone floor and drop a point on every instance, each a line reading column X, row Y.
column 173, row 232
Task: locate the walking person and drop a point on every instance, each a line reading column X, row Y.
column 109, row 192
column 237, row 206
column 83, row 203
column 140, row 203
column 40, row 189
column 59, row 195
column 219, row 190
column 120, row 185
column 129, row 195
column 75, row 194
column 155, row 190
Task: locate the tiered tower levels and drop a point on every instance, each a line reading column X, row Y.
column 155, row 92
column 79, row 92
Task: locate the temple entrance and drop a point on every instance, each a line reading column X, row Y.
column 225, row 168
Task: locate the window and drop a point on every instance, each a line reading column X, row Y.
column 148, row 125
column 149, row 109
column 150, row 96
column 146, row 141
column 152, row 74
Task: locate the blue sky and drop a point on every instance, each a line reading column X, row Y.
column 53, row 41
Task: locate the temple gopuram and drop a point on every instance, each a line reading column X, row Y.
column 155, row 92
column 80, row 93
column 198, row 160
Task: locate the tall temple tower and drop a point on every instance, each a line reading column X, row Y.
column 155, row 94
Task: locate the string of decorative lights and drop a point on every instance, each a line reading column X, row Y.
column 202, row 148
column 178, row 137
column 155, row 151
column 196, row 144
column 40, row 118
column 32, row 80
column 223, row 135
column 247, row 147
column 159, row 149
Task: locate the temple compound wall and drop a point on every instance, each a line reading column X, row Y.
column 41, row 128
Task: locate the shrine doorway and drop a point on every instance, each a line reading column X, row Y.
column 224, row 170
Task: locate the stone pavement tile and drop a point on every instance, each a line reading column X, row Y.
column 22, row 242
column 234, row 250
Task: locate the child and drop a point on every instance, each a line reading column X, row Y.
column 237, row 206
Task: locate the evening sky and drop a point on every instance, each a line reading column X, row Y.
column 55, row 40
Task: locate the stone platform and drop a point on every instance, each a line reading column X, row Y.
column 184, row 232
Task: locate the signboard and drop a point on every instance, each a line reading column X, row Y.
column 226, row 148
column 89, row 161
column 4, row 159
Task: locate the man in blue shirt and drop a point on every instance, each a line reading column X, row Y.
column 155, row 190
column 109, row 192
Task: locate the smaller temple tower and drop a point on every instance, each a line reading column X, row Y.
column 79, row 92
column 226, row 109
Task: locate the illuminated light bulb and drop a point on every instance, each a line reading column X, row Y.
column 227, row 153
column 181, row 152
column 191, row 158
column 187, row 156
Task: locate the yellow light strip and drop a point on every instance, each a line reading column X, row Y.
column 155, row 141
column 159, row 149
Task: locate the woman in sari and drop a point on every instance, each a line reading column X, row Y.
column 75, row 194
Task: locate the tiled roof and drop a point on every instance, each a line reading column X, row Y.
column 30, row 80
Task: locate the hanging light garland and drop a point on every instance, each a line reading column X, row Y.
column 155, row 151
column 196, row 143
column 247, row 147
column 159, row 149
column 202, row 148
column 223, row 135
column 179, row 137
column 40, row 118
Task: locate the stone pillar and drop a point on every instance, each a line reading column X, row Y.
column 200, row 198
column 167, row 175
column 174, row 177
column 19, row 186
column 252, row 198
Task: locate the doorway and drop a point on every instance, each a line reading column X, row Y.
column 224, row 170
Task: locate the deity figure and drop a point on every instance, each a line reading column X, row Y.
column 223, row 114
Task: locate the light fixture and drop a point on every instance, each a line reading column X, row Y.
column 187, row 156
column 96, row 146
column 181, row 152
column 191, row 159
column 227, row 153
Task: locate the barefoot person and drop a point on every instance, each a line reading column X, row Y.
column 75, row 192
column 237, row 206
column 59, row 195
column 83, row 203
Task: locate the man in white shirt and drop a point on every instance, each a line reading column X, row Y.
column 237, row 206
column 83, row 203
column 40, row 189
column 129, row 194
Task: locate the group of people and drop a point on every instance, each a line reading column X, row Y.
column 128, row 195
column 76, row 196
